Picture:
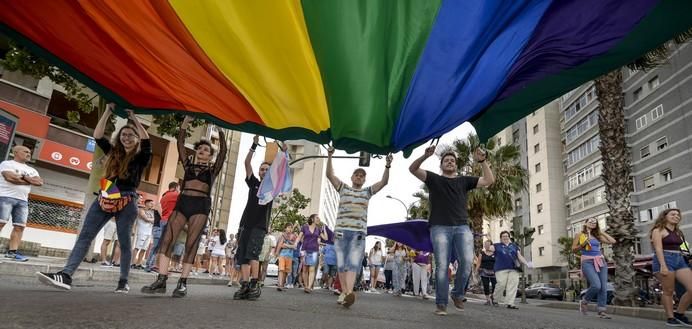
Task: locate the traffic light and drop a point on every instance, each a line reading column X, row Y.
column 364, row 159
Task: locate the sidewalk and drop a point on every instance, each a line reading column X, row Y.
column 94, row 272
column 652, row 312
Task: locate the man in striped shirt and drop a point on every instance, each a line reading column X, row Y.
column 351, row 224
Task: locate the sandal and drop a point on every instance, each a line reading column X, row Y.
column 603, row 315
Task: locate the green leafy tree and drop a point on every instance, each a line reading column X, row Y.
column 617, row 167
column 567, row 254
column 422, row 210
column 288, row 210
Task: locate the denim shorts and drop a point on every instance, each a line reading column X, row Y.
column 674, row 261
column 15, row 208
column 350, row 249
column 311, row 258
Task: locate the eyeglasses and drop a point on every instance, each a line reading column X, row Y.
column 129, row 135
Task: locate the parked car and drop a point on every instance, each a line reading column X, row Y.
column 609, row 299
column 543, row 291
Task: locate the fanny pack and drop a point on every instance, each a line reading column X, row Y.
column 110, row 205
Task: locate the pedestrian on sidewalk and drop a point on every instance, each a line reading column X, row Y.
column 192, row 208
column 419, row 268
column 310, row 235
column 485, row 265
column 375, row 262
column 167, row 202
column 109, row 236
column 253, row 227
column 126, row 158
column 266, row 256
column 351, row 224
column 146, row 217
column 593, row 264
column 508, row 261
column 15, row 184
column 449, row 221
column 670, row 265
column 389, row 271
column 287, row 243
column 399, row 269
column 231, row 247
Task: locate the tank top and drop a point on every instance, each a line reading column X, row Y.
column 672, row 241
column 487, row 261
column 595, row 248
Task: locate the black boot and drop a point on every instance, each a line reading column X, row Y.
column 242, row 292
column 158, row 287
column 254, row 290
column 181, row 290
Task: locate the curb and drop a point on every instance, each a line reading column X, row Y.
column 95, row 274
column 637, row 312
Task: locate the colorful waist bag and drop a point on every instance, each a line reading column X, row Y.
column 110, row 200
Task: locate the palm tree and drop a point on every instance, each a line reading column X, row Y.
column 510, row 178
column 616, row 168
column 422, row 210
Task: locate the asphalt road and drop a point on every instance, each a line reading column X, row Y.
column 25, row 303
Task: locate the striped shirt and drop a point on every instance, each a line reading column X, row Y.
column 353, row 208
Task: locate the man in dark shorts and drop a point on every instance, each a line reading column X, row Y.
column 253, row 228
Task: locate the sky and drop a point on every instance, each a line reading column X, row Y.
column 381, row 210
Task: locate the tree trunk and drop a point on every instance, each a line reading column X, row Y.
column 616, row 175
column 476, row 217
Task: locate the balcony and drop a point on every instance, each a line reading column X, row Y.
column 22, row 96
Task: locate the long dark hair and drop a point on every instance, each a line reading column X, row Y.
column 222, row 236
column 118, row 159
column 660, row 222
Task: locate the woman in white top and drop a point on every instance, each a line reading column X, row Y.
column 218, row 251
column 200, row 254
column 374, row 262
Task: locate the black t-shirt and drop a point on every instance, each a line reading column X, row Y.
column 255, row 215
column 448, row 198
column 157, row 218
column 134, row 168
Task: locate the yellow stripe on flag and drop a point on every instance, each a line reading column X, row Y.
column 263, row 47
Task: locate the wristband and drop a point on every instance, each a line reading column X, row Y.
column 254, row 146
column 387, row 167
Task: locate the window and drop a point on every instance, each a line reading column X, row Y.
column 541, row 230
column 653, row 83
column 535, row 129
column 499, row 141
column 661, row 143
column 644, row 152
column 541, row 251
column 536, row 148
column 517, row 204
column 666, row 175
column 637, row 246
column 515, row 137
column 581, row 127
column 539, row 187
column 641, row 122
column 649, row 182
column 583, row 150
column 637, row 93
column 656, row 113
column 538, row 167
column 539, row 208
column 585, row 175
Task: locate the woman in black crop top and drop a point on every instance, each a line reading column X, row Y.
column 669, row 264
column 485, row 264
column 126, row 158
column 192, row 208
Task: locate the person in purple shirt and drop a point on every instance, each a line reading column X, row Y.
column 310, row 235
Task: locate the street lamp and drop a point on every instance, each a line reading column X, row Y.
column 403, row 204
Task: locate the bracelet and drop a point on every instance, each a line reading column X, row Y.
column 252, row 150
column 387, row 167
column 254, row 146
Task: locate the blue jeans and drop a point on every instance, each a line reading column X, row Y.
column 15, row 208
column 598, row 283
column 350, row 249
column 291, row 278
column 94, row 220
column 156, row 233
column 446, row 239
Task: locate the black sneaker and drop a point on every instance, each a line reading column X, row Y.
column 158, row 287
column 242, row 292
column 254, row 290
column 673, row 322
column 181, row 290
column 58, row 280
column 680, row 317
column 123, row 287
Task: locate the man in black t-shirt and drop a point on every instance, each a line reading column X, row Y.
column 253, row 228
column 449, row 221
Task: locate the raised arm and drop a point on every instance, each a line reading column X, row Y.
column 223, row 150
column 182, row 133
column 140, row 129
column 101, row 125
column 330, row 170
column 415, row 169
column 385, row 176
column 248, row 157
column 488, row 178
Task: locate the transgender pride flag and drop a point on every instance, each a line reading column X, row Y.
column 277, row 180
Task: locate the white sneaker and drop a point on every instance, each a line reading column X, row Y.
column 341, row 298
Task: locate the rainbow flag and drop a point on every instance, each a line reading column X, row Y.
column 369, row 75
column 277, row 180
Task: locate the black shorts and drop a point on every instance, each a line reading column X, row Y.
column 249, row 245
column 189, row 205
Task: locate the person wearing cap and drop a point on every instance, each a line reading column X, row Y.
column 449, row 221
column 351, row 224
column 593, row 266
